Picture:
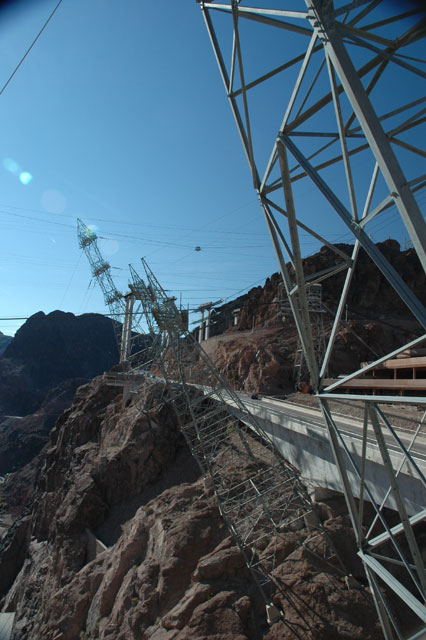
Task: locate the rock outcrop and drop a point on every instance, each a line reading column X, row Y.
column 49, row 349
column 21, row 439
column 255, row 361
column 4, row 341
column 170, row 570
column 259, row 352
column 370, row 295
column 49, row 357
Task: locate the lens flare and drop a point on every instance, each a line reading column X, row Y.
column 109, row 246
column 92, row 231
column 11, row 165
column 25, row 177
column 53, row 201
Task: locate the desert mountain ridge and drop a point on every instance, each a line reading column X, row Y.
column 49, row 349
column 42, row 366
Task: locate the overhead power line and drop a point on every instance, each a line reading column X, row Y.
column 6, row 84
column 122, row 222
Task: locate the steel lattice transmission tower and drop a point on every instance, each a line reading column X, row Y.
column 341, row 87
column 126, row 320
column 101, row 271
column 260, row 496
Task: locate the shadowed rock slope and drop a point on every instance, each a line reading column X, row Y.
column 49, row 349
column 170, row 571
column 22, row 439
column 4, row 341
column 370, row 294
column 49, row 357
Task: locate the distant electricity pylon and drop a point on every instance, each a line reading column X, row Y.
column 101, row 271
column 124, row 320
column 346, row 82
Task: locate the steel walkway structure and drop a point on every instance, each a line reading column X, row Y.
column 348, row 82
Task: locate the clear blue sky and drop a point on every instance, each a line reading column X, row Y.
column 119, row 115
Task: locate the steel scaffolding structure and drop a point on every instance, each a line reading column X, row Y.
column 348, row 79
column 316, row 317
column 260, row 495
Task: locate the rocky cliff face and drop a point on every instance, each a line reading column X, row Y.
column 170, row 570
column 49, row 349
column 50, row 356
column 258, row 353
column 4, row 341
column 370, row 295
column 21, row 439
column 255, row 361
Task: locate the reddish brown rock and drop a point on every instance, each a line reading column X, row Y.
column 258, row 353
column 171, row 571
column 317, row 605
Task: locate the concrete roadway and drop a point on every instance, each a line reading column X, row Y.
column 301, row 436
column 347, row 425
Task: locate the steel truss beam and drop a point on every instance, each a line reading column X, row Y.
column 350, row 52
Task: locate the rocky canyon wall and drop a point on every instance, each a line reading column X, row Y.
column 170, row 569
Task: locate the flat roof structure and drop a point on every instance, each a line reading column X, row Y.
column 403, row 375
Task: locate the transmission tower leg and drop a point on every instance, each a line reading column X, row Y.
column 370, row 123
column 201, row 329
column 127, row 328
column 348, row 42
